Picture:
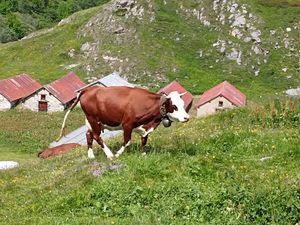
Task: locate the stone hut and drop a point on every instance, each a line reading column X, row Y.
column 221, row 97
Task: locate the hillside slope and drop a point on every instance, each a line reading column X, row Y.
column 18, row 18
column 153, row 42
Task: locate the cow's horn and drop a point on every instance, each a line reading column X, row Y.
column 182, row 93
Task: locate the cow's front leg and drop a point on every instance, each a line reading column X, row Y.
column 143, row 144
column 144, row 140
column 104, row 147
column 127, row 138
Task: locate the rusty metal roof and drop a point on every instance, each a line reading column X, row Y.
column 225, row 89
column 175, row 86
column 64, row 89
column 18, row 87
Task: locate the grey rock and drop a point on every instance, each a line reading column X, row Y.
column 255, row 35
column 293, row 92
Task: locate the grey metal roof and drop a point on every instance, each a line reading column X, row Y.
column 78, row 136
column 113, row 79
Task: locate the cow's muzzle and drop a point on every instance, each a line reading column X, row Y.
column 186, row 119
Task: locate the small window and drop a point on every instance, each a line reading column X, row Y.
column 220, row 103
column 43, row 97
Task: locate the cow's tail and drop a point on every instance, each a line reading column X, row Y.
column 62, row 131
column 39, row 153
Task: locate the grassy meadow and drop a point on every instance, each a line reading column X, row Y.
column 45, row 56
column 237, row 167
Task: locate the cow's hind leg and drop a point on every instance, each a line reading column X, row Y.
column 127, row 138
column 89, row 139
column 96, row 130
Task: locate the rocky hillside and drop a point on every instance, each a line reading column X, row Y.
column 200, row 43
column 240, row 43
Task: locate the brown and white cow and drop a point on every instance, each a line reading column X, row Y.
column 128, row 109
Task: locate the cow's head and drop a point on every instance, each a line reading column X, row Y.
column 174, row 106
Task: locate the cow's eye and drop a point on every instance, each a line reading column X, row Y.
column 175, row 107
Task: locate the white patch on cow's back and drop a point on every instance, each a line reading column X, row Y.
column 142, row 131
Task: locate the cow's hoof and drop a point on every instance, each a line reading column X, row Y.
column 91, row 154
column 91, row 157
column 117, row 155
column 144, row 153
column 111, row 158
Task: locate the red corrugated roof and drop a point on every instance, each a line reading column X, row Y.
column 18, row 87
column 64, row 89
column 225, row 89
column 175, row 86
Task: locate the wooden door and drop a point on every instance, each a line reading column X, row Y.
column 43, row 106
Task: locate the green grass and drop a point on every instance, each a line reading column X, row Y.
column 28, row 132
column 280, row 3
column 207, row 171
column 45, row 56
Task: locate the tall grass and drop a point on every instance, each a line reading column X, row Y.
column 277, row 113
